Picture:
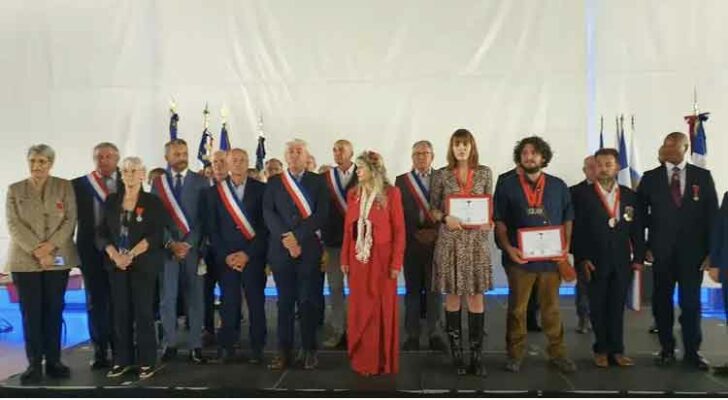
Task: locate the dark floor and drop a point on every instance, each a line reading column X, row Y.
column 421, row 373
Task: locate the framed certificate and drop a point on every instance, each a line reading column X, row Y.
column 473, row 211
column 541, row 243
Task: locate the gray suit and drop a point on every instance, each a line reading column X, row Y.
column 193, row 188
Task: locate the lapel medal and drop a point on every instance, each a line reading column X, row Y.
column 612, row 222
column 696, row 193
column 628, row 213
column 139, row 211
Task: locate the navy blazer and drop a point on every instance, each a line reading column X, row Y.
column 333, row 229
column 86, row 229
column 281, row 214
column 192, row 203
column 609, row 248
column 577, row 191
column 719, row 248
column 687, row 228
column 225, row 236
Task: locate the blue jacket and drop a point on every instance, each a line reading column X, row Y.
column 191, row 197
column 719, row 245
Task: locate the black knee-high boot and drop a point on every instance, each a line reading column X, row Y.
column 454, row 333
column 475, row 328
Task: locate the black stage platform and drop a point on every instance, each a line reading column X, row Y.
column 421, row 373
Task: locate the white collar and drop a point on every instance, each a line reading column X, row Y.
column 348, row 170
column 680, row 166
column 183, row 173
column 427, row 172
column 615, row 187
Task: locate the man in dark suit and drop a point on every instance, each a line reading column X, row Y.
column 181, row 192
column 218, row 174
column 91, row 192
column 295, row 208
column 532, row 324
column 611, row 246
column 682, row 205
column 421, row 235
column 339, row 180
column 719, row 259
column 581, row 188
column 239, row 238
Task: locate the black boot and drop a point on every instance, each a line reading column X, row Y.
column 454, row 330
column 475, row 328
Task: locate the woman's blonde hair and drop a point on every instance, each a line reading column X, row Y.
column 374, row 162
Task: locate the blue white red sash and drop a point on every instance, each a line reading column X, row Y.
column 235, row 209
column 420, row 193
column 338, row 192
column 171, row 203
column 98, row 187
column 297, row 193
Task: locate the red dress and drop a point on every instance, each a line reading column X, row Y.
column 372, row 324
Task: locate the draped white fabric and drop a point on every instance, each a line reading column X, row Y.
column 382, row 73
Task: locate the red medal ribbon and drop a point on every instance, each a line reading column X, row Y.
column 466, row 188
column 603, row 197
column 534, row 196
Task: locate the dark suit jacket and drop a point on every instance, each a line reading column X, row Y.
column 281, row 215
column 151, row 228
column 502, row 177
column 684, row 232
column 719, row 250
column 333, row 230
column 609, row 248
column 411, row 211
column 225, row 236
column 577, row 191
column 86, row 228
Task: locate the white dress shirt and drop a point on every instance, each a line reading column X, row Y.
column 670, row 166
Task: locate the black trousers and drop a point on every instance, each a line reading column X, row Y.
column 212, row 278
column 298, row 281
column 420, row 296
column 41, row 306
column 688, row 277
column 253, row 280
column 132, row 294
column 98, row 302
column 607, row 295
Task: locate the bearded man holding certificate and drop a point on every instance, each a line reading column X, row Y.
column 534, row 215
column 613, row 245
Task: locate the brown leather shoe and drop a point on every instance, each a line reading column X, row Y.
column 279, row 362
column 601, row 360
column 622, row 361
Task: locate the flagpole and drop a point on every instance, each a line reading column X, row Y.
column 206, row 119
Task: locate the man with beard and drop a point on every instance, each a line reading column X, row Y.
column 682, row 204
column 611, row 247
column 295, row 208
column 532, row 198
column 581, row 298
column 181, row 191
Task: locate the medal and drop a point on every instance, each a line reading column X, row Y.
column 696, row 193
column 534, row 196
column 613, row 212
column 628, row 213
column 139, row 211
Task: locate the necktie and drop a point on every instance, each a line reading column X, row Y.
column 675, row 187
column 177, row 184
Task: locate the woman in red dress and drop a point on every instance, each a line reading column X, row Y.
column 371, row 256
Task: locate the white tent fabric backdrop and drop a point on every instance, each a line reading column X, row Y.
column 381, row 73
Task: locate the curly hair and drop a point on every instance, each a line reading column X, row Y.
column 540, row 146
column 374, row 162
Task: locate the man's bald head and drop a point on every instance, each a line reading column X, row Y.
column 676, row 145
column 590, row 168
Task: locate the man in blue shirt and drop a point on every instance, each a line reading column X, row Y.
column 528, row 199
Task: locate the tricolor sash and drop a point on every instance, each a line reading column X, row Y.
column 297, row 193
column 420, row 193
column 98, row 187
column 235, row 209
column 171, row 203
column 338, row 192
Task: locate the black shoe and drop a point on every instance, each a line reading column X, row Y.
column 475, row 328
column 208, row 339
column 226, row 355
column 256, row 357
column 146, row 372
column 665, row 359
column 454, row 329
column 197, row 357
column 437, row 344
column 533, row 326
column 169, row 354
column 280, row 362
column 411, row 344
column 100, row 364
column 653, row 330
column 310, row 360
column 696, row 360
column 33, row 374
column 57, row 370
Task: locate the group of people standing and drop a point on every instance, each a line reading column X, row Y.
column 348, row 223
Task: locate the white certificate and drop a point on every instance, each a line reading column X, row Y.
column 542, row 243
column 472, row 211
